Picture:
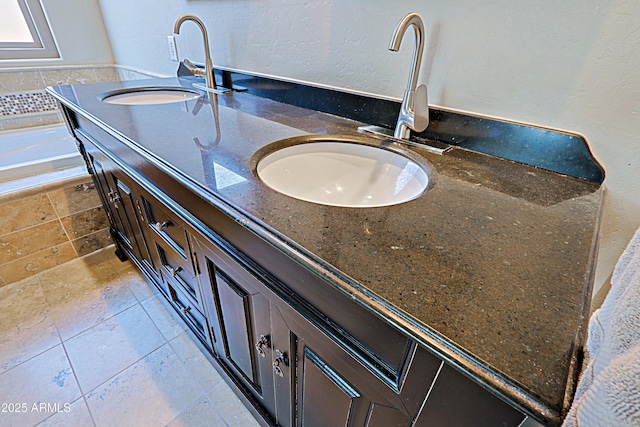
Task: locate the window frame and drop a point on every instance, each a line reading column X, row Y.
column 43, row 46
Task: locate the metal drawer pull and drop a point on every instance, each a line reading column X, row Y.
column 185, row 310
column 173, row 271
column 262, row 344
column 162, row 225
column 280, row 360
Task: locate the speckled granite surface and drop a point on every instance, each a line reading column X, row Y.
column 496, row 257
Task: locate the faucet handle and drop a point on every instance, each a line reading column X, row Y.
column 420, row 109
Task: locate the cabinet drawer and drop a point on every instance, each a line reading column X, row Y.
column 178, row 272
column 168, row 227
column 188, row 311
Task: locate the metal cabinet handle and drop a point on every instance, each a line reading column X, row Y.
column 162, row 225
column 262, row 344
column 185, row 310
column 114, row 197
column 173, row 271
column 280, row 361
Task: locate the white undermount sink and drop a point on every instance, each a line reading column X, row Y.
column 342, row 173
column 149, row 95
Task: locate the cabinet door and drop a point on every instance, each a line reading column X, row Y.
column 238, row 313
column 319, row 382
column 122, row 206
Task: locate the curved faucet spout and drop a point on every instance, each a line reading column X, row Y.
column 412, row 19
column 211, row 82
column 414, row 112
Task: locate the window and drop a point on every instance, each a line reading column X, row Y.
column 24, row 31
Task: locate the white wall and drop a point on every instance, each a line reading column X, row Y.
column 79, row 32
column 571, row 65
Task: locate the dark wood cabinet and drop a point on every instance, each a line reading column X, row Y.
column 321, row 382
column 238, row 310
column 299, row 370
column 122, row 205
column 299, row 355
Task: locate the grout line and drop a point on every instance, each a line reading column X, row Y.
column 66, row 233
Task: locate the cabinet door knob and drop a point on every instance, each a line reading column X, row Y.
column 262, row 344
column 280, row 361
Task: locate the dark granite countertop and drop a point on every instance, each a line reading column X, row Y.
column 493, row 266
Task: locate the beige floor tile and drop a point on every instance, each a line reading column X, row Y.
column 202, row 414
column 46, row 379
column 104, row 350
column 230, row 407
column 138, row 284
column 24, row 213
column 26, row 326
column 35, row 263
column 93, row 301
column 195, row 362
column 75, row 415
column 163, row 319
column 152, row 392
column 84, row 292
column 110, row 253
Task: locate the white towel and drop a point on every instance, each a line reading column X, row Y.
column 608, row 392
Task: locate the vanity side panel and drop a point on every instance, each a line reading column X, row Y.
column 456, row 401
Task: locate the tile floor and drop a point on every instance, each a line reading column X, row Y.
column 88, row 343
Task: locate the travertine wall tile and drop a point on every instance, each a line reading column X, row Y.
column 30, row 120
column 85, row 222
column 75, row 199
column 35, row 237
column 31, row 240
column 12, row 81
column 106, row 74
column 125, row 74
column 92, row 242
column 67, row 76
column 20, row 81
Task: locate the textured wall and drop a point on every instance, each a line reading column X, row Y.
column 570, row 65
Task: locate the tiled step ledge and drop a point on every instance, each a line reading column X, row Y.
column 48, row 220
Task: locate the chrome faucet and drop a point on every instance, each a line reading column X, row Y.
column 208, row 66
column 414, row 112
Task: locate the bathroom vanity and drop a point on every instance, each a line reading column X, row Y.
column 466, row 306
